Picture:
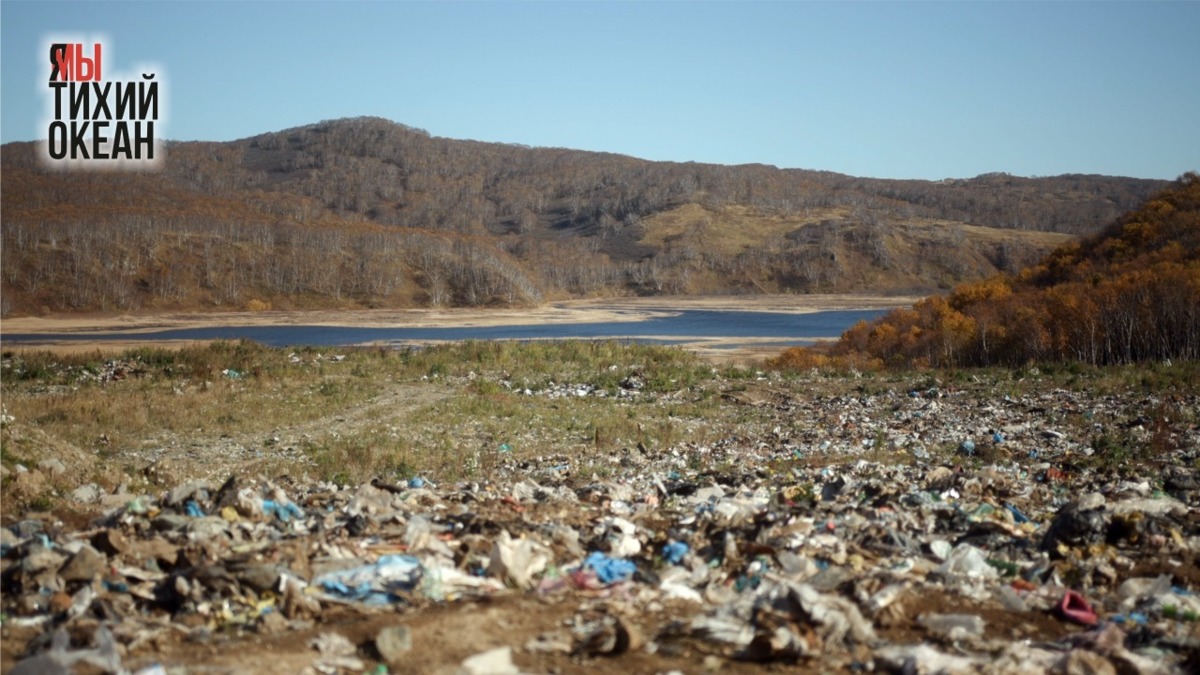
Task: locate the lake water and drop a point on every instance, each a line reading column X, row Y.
column 675, row 327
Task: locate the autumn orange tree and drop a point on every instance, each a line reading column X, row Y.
column 1130, row 293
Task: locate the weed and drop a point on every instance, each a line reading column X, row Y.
column 1163, row 441
column 401, row 469
column 1110, row 452
column 51, row 417
column 455, row 424
column 42, row 502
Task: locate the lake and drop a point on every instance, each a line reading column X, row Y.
column 677, row 327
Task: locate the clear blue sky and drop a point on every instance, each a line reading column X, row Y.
column 881, row 89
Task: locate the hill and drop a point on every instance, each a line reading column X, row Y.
column 1129, row 293
column 366, row 212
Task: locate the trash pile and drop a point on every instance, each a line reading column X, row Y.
column 855, row 566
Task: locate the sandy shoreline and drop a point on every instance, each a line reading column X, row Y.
column 610, row 310
column 571, row 311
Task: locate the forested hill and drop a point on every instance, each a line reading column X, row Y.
column 1129, row 293
column 366, row 212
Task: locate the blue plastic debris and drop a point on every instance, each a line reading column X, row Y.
column 374, row 584
column 505, row 447
column 997, row 437
column 193, row 509
column 967, row 446
column 609, row 570
column 416, row 482
column 284, row 512
column 743, row 582
column 1136, row 617
column 674, row 552
column 1016, row 514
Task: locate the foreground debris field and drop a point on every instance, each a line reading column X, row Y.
column 593, row 508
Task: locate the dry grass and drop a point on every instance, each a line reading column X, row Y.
column 454, row 412
column 993, row 235
column 443, row 411
column 728, row 230
column 732, row 229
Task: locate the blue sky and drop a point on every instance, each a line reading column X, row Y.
column 881, row 89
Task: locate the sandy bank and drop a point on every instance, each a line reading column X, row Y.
column 610, row 310
column 572, row 311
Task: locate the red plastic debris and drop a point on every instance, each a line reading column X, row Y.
column 1077, row 610
column 1055, row 475
column 1023, row 585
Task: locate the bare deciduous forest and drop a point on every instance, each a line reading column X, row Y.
column 369, row 213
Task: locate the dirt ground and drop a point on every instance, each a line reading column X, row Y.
column 443, row 636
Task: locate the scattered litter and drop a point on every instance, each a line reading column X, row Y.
column 1074, row 608
column 953, row 627
column 337, row 653
column 1018, row 555
column 375, row 584
column 493, row 662
column 609, row 570
column 60, row 659
column 518, row 562
column 674, row 551
column 393, row 644
column 285, row 512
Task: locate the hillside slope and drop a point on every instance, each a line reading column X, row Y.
column 1126, row 294
column 366, row 212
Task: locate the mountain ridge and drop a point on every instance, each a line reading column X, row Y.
column 423, row 220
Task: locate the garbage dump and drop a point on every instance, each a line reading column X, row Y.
column 813, row 552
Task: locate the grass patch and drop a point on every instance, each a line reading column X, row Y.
column 458, row 411
column 337, row 414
